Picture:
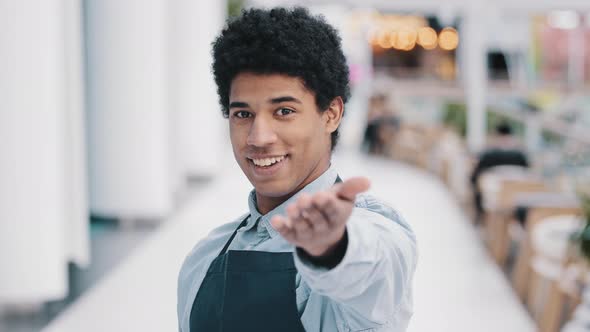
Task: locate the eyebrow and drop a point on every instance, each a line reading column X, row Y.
column 283, row 99
column 278, row 100
column 239, row 104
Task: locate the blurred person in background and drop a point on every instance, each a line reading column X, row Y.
column 382, row 126
column 504, row 149
column 311, row 254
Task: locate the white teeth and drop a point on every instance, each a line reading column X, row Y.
column 267, row 161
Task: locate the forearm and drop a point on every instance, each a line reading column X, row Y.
column 374, row 272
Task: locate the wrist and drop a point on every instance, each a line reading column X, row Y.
column 326, row 249
column 327, row 257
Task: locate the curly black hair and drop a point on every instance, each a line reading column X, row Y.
column 282, row 41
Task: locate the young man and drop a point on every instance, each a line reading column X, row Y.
column 310, row 254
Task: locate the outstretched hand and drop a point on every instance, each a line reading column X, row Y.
column 316, row 223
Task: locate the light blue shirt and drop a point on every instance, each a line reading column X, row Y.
column 369, row 290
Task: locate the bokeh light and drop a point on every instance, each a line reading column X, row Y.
column 406, row 39
column 427, row 38
column 384, row 39
column 448, row 39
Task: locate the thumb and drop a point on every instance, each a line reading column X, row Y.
column 350, row 188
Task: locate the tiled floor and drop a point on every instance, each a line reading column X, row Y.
column 456, row 287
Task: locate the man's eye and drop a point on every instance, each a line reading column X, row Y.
column 284, row 111
column 242, row 114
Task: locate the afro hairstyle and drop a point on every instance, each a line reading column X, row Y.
column 284, row 41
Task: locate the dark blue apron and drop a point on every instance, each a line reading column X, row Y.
column 247, row 290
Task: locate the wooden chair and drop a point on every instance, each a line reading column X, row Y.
column 578, row 299
column 553, row 257
column 497, row 222
column 573, row 283
column 521, row 272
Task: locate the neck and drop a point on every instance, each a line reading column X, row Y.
column 265, row 204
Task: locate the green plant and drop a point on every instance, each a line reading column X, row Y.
column 494, row 119
column 551, row 138
column 582, row 238
column 455, row 116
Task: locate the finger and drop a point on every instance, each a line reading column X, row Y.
column 316, row 219
column 281, row 225
column 301, row 228
column 352, row 187
column 304, row 201
column 303, row 204
column 324, row 202
column 293, row 212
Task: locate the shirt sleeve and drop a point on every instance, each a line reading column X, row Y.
column 374, row 277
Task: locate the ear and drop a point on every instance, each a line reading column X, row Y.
column 333, row 114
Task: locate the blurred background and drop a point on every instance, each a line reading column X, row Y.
column 472, row 118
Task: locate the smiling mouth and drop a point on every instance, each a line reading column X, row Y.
column 267, row 162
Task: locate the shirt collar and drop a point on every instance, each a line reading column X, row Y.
column 323, row 182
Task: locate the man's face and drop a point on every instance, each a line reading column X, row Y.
column 279, row 138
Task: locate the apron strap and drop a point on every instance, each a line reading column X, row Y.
column 245, row 221
column 242, row 224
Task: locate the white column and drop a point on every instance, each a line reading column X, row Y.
column 32, row 153
column 360, row 55
column 473, row 50
column 128, row 111
column 199, row 130
column 77, row 222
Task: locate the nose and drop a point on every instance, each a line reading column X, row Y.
column 262, row 133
